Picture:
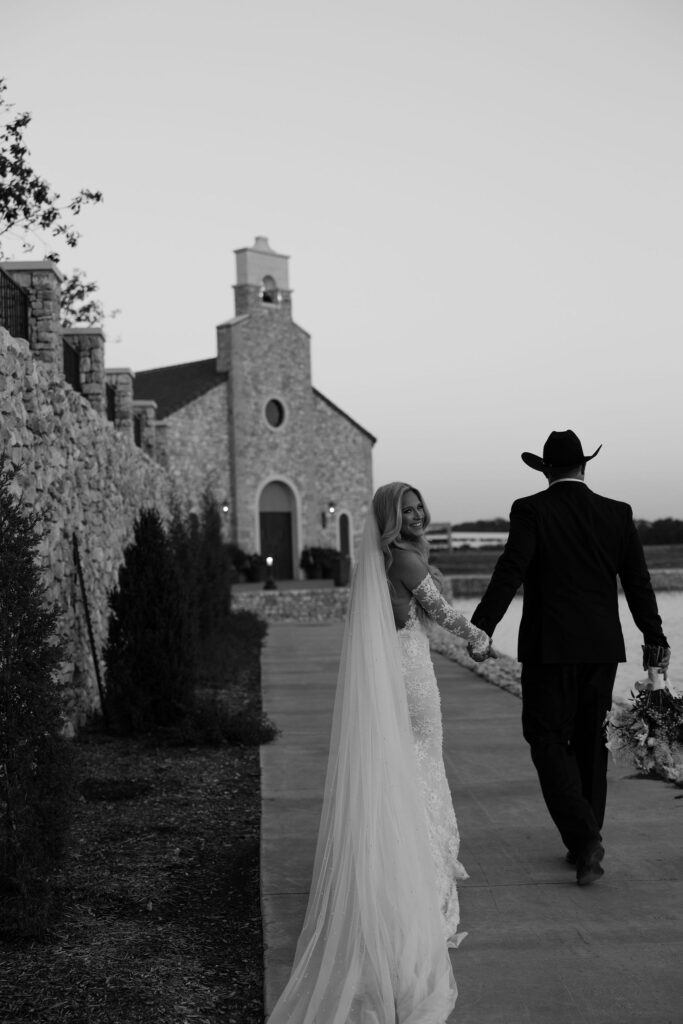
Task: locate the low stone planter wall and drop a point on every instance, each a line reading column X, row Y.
column 307, row 607
column 474, row 586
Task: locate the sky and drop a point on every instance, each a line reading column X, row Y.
column 481, row 200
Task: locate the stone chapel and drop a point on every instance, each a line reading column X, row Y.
column 289, row 468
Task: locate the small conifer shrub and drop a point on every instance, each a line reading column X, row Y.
column 149, row 655
column 214, row 570
column 36, row 774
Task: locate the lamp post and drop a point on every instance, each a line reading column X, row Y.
column 270, row 583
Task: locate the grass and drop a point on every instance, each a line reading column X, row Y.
column 475, row 561
column 159, row 893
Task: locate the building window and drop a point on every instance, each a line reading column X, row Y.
column 137, row 430
column 275, row 413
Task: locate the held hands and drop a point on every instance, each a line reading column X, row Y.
column 480, row 656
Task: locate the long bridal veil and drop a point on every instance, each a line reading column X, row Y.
column 372, row 948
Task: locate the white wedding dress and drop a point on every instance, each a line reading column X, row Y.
column 424, row 707
column 383, row 904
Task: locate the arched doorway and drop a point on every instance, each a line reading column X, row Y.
column 276, row 523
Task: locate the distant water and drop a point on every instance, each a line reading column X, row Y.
column 670, row 603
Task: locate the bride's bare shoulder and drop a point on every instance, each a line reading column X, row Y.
column 409, row 567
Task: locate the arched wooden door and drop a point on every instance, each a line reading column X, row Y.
column 276, row 520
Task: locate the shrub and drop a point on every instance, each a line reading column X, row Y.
column 213, row 723
column 205, row 564
column 36, row 778
column 149, row 655
column 185, row 543
column 214, row 570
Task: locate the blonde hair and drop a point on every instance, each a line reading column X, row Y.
column 386, row 505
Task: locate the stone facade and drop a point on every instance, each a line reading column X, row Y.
column 269, row 360
column 251, row 428
column 83, row 478
column 193, row 445
column 343, row 471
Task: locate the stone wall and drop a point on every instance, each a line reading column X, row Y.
column 89, row 343
column 83, row 477
column 42, row 281
column 122, row 381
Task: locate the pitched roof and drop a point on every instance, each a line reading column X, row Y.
column 344, row 414
column 172, row 387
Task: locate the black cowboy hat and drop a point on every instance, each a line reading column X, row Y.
column 562, row 448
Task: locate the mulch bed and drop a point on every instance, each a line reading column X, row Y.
column 160, row 917
column 161, row 920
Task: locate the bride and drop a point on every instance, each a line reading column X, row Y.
column 383, row 904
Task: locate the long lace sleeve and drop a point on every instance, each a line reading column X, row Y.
column 440, row 611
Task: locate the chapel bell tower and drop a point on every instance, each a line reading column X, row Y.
column 262, row 279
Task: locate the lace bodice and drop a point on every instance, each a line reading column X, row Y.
column 440, row 611
column 424, row 706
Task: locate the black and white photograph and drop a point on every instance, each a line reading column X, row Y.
column 341, row 512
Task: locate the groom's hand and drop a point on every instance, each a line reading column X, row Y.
column 655, row 656
column 481, row 656
column 664, row 660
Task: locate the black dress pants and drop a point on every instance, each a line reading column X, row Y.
column 563, row 715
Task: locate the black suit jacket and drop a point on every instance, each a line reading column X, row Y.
column 568, row 545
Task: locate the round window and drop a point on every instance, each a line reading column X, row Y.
column 275, row 412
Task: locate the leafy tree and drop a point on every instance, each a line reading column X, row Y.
column 661, row 531
column 35, row 759
column 29, row 206
column 79, row 305
column 27, row 202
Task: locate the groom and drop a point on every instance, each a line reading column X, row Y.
column 568, row 545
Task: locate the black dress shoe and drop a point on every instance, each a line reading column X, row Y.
column 571, row 857
column 588, row 864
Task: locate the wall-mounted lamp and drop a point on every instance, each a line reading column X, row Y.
column 225, row 507
column 329, row 513
column 270, row 583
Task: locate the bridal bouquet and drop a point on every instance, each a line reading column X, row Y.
column 647, row 731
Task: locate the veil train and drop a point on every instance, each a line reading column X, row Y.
column 372, row 947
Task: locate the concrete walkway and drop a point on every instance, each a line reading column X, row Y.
column 540, row 949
